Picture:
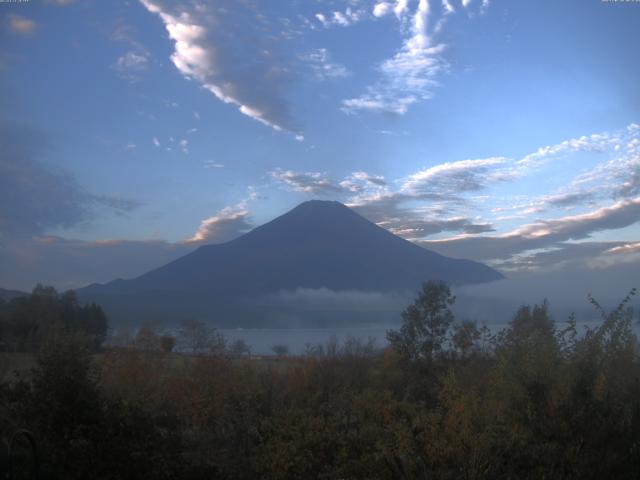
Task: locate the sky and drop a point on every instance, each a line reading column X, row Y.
column 131, row 132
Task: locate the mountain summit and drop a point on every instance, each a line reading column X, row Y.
column 317, row 245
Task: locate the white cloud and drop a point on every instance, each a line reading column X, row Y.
column 61, row 3
column 626, row 248
column 411, row 75
column 156, row 142
column 132, row 61
column 306, row 182
column 319, row 60
column 131, row 64
column 540, row 234
column 212, row 164
column 248, row 77
column 381, row 9
column 452, row 177
column 21, row 25
column 345, row 18
column 227, row 224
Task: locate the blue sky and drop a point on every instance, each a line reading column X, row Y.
column 134, row 131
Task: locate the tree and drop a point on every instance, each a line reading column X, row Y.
column 65, row 406
column 195, row 335
column 280, row 350
column 29, row 320
column 147, row 338
column 424, row 323
column 167, row 343
column 239, row 347
column 465, row 337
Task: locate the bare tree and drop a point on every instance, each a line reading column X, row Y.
column 280, row 350
column 199, row 338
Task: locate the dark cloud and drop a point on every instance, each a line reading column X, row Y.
column 387, row 211
column 410, row 227
column 35, row 197
column 570, row 199
column 117, row 204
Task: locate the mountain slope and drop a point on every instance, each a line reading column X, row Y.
column 318, row 244
column 7, row 295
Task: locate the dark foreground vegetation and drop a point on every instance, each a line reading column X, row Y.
column 446, row 400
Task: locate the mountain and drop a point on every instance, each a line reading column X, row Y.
column 317, row 245
column 7, row 295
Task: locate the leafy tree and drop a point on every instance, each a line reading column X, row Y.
column 425, row 323
column 147, row 338
column 465, row 337
column 167, row 343
column 28, row 321
column 65, row 407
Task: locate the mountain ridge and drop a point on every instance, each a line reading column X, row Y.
column 318, row 244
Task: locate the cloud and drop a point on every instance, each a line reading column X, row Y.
column 118, row 204
column 61, row 3
column 229, row 223
column 412, row 227
column 626, row 248
column 338, row 18
column 21, row 25
column 319, row 61
column 36, row 197
column 410, row 75
column 247, row 74
column 569, row 199
column 540, row 234
column 343, row 300
column 459, row 176
column 306, row 182
column 131, row 64
column 212, row 164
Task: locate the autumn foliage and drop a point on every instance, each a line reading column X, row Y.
column 446, row 400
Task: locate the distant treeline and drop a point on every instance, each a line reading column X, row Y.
column 445, row 400
column 27, row 321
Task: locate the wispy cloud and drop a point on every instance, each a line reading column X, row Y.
column 320, row 63
column 131, row 64
column 306, row 182
column 411, row 75
column 341, row 18
column 451, row 177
